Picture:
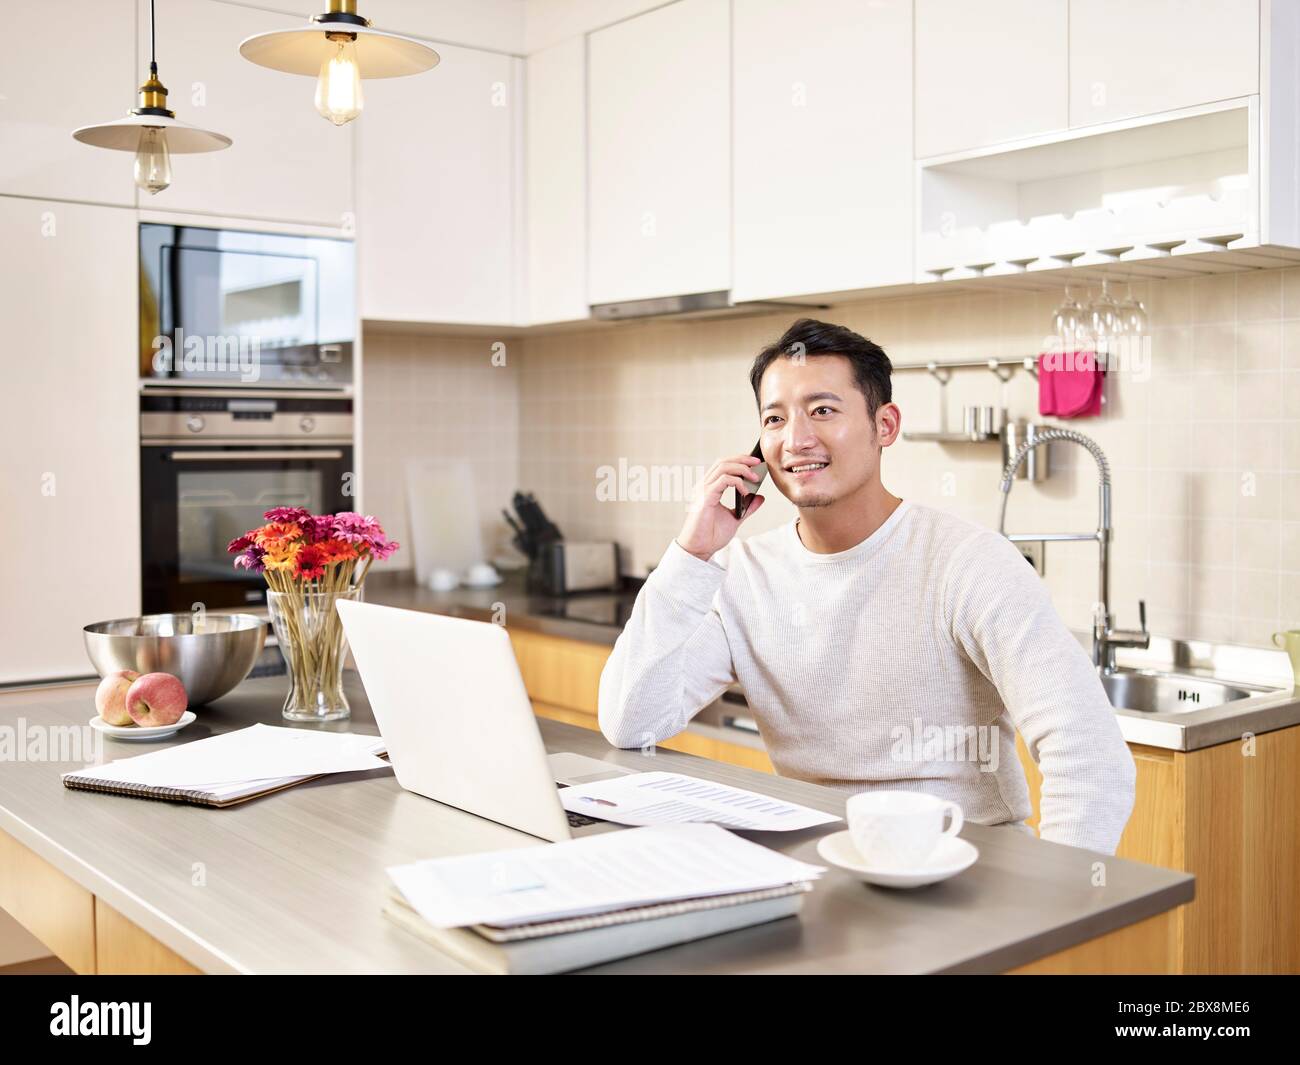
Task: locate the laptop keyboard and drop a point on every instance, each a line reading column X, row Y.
column 578, row 820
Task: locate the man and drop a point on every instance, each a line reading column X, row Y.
column 879, row 642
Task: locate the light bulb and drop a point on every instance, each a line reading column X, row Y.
column 338, row 89
column 153, row 162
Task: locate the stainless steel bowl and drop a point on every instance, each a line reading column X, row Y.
column 210, row 656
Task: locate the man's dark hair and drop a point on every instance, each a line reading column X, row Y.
column 808, row 336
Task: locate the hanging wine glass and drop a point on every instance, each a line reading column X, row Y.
column 1105, row 320
column 1133, row 314
column 1070, row 322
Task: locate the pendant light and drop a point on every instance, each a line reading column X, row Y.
column 338, row 51
column 152, row 131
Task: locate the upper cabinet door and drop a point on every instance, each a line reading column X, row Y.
column 823, row 177
column 82, row 45
column 287, row 163
column 556, row 155
column 989, row 71
column 659, row 160
column 1130, row 59
column 437, row 185
column 70, row 436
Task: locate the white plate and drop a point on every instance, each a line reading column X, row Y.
column 136, row 732
column 950, row 857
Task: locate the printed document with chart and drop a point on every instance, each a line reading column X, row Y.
column 663, row 798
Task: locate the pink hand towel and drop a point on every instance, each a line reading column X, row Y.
column 1069, row 384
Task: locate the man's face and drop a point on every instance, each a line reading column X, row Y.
column 818, row 440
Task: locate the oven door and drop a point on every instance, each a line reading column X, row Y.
column 196, row 499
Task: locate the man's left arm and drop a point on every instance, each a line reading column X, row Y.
column 1003, row 618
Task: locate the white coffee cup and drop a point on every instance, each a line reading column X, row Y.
column 899, row 829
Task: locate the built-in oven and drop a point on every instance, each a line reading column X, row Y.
column 240, row 309
column 211, row 462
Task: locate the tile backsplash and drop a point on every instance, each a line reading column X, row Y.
column 441, row 398
column 607, row 426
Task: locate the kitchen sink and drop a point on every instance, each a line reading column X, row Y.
column 1171, row 693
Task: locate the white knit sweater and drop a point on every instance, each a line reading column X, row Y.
column 907, row 661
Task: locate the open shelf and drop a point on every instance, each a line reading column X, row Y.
column 1172, row 184
column 954, row 438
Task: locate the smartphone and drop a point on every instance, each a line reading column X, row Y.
column 743, row 499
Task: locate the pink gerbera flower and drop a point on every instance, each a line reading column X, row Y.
column 286, row 514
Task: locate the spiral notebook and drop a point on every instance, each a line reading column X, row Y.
column 215, row 771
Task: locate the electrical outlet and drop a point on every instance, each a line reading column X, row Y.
column 1033, row 554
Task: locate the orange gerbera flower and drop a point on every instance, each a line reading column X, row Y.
column 281, row 555
column 276, row 532
column 337, row 550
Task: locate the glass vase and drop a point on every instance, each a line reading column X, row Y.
column 311, row 637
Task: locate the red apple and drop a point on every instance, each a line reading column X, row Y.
column 110, row 696
column 156, row 699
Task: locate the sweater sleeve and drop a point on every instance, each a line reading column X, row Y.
column 671, row 659
column 1002, row 616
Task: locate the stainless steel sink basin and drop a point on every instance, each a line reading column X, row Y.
column 1171, row 693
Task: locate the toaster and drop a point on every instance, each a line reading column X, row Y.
column 564, row 566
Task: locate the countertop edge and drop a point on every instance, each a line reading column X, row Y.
column 1085, row 929
column 197, row 952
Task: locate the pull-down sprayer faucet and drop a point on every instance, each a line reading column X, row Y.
column 1104, row 638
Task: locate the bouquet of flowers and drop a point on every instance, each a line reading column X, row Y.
column 309, row 562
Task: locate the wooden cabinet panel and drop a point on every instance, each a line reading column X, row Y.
column 123, row 948
column 1146, row 948
column 562, row 678
column 49, row 904
column 563, row 673
column 1227, row 815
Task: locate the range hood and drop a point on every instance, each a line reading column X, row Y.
column 692, row 305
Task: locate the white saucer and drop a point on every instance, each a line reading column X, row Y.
column 137, row 732
column 950, row 857
column 482, row 584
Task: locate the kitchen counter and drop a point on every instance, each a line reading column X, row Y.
column 592, row 617
column 293, row 882
column 598, row 617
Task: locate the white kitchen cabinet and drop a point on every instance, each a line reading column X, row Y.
column 1130, row 59
column 69, row 432
column 659, row 159
column 437, row 218
column 287, row 163
column 556, row 167
column 989, row 71
column 71, row 64
column 823, row 177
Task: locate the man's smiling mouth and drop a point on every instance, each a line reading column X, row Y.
column 806, row 467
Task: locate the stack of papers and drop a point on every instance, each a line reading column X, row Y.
column 596, row 874
column 665, row 798
column 253, row 759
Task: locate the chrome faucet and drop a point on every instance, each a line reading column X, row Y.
column 1105, row 638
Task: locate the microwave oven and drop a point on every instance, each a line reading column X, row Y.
column 230, row 308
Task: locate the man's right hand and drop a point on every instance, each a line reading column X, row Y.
column 710, row 525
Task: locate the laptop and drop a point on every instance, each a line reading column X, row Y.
column 450, row 704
